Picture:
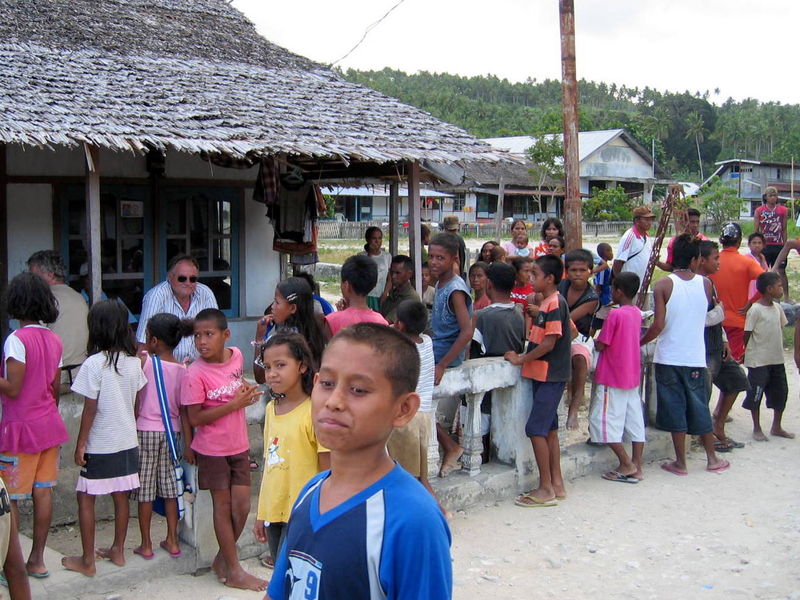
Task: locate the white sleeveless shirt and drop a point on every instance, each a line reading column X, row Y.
column 681, row 343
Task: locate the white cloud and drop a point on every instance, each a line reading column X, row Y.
column 736, row 45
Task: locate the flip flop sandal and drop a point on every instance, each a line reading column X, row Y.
column 268, row 562
column 529, row 501
column 138, row 552
column 619, row 477
column 44, row 575
column 723, row 466
column 735, row 444
column 725, row 446
column 669, row 468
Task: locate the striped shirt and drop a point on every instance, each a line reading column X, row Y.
column 427, row 370
column 161, row 299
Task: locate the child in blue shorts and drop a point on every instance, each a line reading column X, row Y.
column 365, row 528
column 549, row 365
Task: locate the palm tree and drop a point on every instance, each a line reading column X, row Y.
column 696, row 128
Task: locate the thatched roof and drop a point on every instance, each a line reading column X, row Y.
column 194, row 76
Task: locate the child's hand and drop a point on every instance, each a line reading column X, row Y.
column 532, row 310
column 513, row 357
column 80, row 450
column 246, row 395
column 341, row 304
column 189, row 456
column 260, row 531
column 263, row 325
column 438, row 373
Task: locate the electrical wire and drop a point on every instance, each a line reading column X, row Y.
column 367, row 31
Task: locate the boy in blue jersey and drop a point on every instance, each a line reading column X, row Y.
column 365, row 529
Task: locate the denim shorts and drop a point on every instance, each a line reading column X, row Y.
column 769, row 381
column 544, row 412
column 682, row 402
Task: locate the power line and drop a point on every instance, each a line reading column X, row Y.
column 367, row 31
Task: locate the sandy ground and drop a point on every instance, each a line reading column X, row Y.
column 731, row 535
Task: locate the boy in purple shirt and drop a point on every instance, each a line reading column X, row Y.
column 616, row 408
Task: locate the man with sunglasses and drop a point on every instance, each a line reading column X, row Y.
column 180, row 295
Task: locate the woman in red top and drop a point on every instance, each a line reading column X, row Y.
column 770, row 221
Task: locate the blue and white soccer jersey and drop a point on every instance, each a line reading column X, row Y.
column 389, row 541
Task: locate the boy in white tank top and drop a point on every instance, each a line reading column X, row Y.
column 681, row 301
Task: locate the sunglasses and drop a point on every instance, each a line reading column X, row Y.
column 191, row 278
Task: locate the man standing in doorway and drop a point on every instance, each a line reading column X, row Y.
column 770, row 221
column 180, row 295
column 635, row 246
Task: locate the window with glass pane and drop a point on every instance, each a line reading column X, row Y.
column 124, row 253
column 200, row 222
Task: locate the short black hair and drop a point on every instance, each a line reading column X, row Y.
column 628, row 283
column 299, row 349
column 447, row 241
column 312, row 283
column 552, row 221
column 503, row 277
column 551, row 265
column 169, row 329
column 754, row 235
column 518, row 262
column 29, row 298
column 213, row 314
column 398, row 352
column 413, row 314
column 692, row 212
column 561, row 241
column 579, row 255
column 49, row 261
column 684, row 251
column 479, row 265
column 179, row 258
column 361, row 273
column 602, row 247
column 765, row 280
column 707, row 247
column 402, row 259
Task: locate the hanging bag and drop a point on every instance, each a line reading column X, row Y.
column 161, row 388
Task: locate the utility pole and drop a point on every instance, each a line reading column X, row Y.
column 573, row 226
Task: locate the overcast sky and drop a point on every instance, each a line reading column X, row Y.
column 744, row 48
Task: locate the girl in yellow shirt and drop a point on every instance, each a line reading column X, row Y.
column 292, row 454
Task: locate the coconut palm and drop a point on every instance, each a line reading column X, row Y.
column 696, row 129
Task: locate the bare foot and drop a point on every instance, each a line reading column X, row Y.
column 115, row 555
column 560, row 492
column 674, row 469
column 572, row 422
column 171, row 547
column 76, row 563
column 639, row 474
column 450, row 462
column 759, row 436
column 244, row 581
column 36, row 569
column 146, row 552
column 780, row 432
column 220, row 568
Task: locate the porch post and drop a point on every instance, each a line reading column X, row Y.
column 3, row 245
column 414, row 224
column 93, row 220
column 498, row 215
column 394, row 217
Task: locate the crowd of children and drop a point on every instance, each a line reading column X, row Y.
column 344, row 385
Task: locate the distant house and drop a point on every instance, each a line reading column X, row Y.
column 750, row 177
column 169, row 106
column 371, row 203
column 608, row 158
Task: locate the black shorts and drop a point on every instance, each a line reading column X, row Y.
column 727, row 375
column 769, row 381
column 771, row 252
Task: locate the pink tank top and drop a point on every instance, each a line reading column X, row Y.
column 31, row 422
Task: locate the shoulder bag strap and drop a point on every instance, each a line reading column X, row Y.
column 163, row 404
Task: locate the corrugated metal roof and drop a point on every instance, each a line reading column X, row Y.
column 588, row 141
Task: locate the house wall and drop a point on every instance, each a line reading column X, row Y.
column 616, row 159
column 33, row 223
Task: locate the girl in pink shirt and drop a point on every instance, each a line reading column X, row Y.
column 31, row 429
column 156, row 473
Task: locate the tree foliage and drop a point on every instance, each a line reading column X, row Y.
column 611, row 204
column 720, row 202
column 683, row 124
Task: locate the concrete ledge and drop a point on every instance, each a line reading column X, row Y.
column 498, row 482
